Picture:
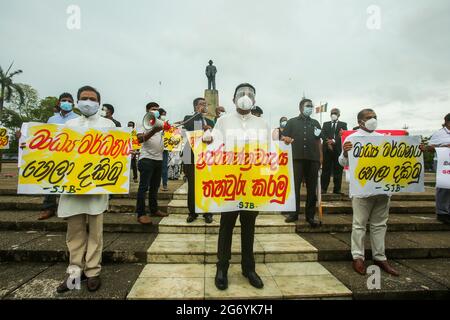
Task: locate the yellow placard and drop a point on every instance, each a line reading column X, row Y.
column 75, row 161
column 4, row 139
column 251, row 177
column 134, row 141
column 385, row 165
column 173, row 140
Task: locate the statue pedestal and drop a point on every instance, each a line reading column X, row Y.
column 212, row 99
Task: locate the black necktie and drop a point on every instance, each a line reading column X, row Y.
column 333, row 127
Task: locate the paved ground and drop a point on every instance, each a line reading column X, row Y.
column 175, row 260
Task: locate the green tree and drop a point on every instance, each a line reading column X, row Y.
column 25, row 107
column 8, row 87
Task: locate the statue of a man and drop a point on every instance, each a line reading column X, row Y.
column 211, row 74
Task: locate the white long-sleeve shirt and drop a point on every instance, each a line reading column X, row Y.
column 236, row 129
column 71, row 205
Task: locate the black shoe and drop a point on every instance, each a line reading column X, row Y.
column 93, row 284
column 291, row 219
column 254, row 279
column 191, row 218
column 221, row 280
column 208, row 219
column 339, row 193
column 443, row 218
column 63, row 287
column 324, row 191
column 313, row 223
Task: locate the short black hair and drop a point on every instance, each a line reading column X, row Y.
column 242, row 85
column 109, row 107
column 151, row 105
column 65, row 95
column 304, row 100
column 281, row 119
column 447, row 118
column 134, row 124
column 257, row 110
column 88, row 88
column 162, row 111
column 196, row 101
column 362, row 112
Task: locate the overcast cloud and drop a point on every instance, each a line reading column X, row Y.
column 285, row 48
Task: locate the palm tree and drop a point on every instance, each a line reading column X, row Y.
column 8, row 86
column 6, row 90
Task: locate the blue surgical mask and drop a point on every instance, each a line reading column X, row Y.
column 156, row 113
column 308, row 111
column 283, row 124
column 66, row 106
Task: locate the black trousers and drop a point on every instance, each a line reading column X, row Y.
column 189, row 171
column 308, row 171
column 227, row 223
column 50, row 202
column 330, row 167
column 134, row 167
column 150, row 179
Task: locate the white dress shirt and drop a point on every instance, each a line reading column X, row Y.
column 72, row 205
column 236, row 129
column 441, row 138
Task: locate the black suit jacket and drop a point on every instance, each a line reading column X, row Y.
column 328, row 133
column 192, row 125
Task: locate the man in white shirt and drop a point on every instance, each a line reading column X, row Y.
column 85, row 247
column 236, row 129
column 150, row 169
column 373, row 208
column 441, row 139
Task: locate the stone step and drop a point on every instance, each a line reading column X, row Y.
column 267, row 224
column 113, row 223
column 331, row 207
column 420, row 279
column 35, row 203
column 34, row 246
column 306, row 280
column 38, row 280
column 126, row 223
column 341, row 223
column 399, row 245
column 202, row 248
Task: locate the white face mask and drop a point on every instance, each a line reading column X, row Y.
column 163, row 118
column 371, row 124
column 103, row 113
column 334, row 117
column 308, row 111
column 245, row 103
column 88, row 108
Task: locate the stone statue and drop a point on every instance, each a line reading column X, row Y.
column 211, row 74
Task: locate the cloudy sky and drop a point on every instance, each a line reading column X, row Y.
column 138, row 51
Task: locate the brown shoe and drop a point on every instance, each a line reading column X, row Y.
column 145, row 220
column 358, row 266
column 160, row 214
column 93, row 284
column 46, row 214
column 384, row 265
